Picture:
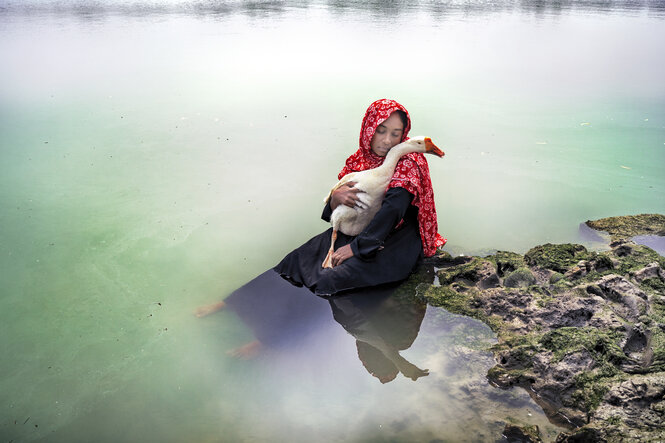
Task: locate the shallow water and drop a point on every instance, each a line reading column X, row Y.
column 157, row 155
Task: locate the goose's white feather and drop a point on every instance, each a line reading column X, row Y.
column 373, row 183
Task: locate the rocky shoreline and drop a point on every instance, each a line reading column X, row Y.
column 582, row 331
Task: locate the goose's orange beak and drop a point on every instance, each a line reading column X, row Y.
column 431, row 148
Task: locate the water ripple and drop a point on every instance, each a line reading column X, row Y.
column 270, row 8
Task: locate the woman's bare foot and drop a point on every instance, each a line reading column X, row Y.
column 246, row 352
column 409, row 369
column 412, row 371
column 202, row 311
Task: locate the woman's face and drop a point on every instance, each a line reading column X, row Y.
column 387, row 134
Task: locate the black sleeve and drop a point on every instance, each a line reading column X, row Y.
column 394, row 206
column 327, row 212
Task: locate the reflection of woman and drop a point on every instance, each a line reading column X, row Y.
column 382, row 325
column 281, row 315
column 404, row 229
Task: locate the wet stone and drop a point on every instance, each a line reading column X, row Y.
column 520, row 278
column 521, row 434
column 582, row 331
column 652, row 270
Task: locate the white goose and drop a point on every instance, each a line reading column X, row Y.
column 373, row 183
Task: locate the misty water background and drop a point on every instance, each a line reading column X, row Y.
column 154, row 156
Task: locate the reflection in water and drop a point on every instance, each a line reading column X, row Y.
column 278, row 313
column 382, row 325
column 221, row 8
column 282, row 315
column 655, row 242
column 309, row 366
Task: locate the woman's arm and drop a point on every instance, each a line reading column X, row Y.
column 344, row 195
column 367, row 243
column 394, row 207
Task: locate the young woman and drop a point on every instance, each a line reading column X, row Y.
column 404, row 229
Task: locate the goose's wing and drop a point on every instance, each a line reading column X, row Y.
column 347, row 178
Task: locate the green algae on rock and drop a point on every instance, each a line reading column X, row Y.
column 578, row 329
column 516, row 433
column 520, row 278
column 558, row 258
column 627, row 226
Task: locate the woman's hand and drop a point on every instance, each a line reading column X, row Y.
column 345, row 195
column 338, row 257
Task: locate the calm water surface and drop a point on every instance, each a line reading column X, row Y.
column 155, row 156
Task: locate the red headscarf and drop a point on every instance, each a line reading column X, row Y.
column 411, row 172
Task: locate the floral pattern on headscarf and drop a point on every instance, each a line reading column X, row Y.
column 411, row 172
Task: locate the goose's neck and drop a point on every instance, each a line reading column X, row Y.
column 393, row 156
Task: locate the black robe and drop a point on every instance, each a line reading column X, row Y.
column 382, row 254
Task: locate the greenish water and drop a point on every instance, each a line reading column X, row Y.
column 156, row 156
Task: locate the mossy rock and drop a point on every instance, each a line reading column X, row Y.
column 418, row 281
column 556, row 277
column 590, row 390
column 532, row 432
column 506, row 378
column 507, row 262
column 520, row 278
column 521, row 349
column 559, row 258
column 628, row 226
column 462, row 303
column 586, row 434
column 634, row 257
column 592, row 385
column 658, row 347
column 594, row 357
column 654, row 284
column 467, row 273
column 603, row 262
column 524, row 433
column 657, row 308
column 598, row 264
column 561, row 286
column 452, row 301
column 438, row 259
column 602, row 345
